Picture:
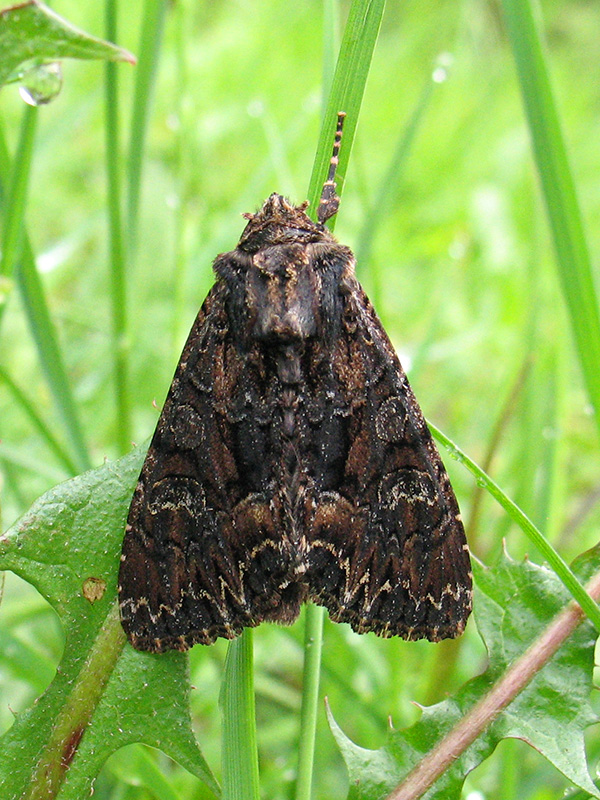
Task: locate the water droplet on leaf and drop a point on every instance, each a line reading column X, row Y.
column 41, row 84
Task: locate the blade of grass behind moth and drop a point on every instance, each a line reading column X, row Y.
column 347, row 89
column 554, row 559
column 15, row 202
column 313, row 642
column 239, row 755
column 44, row 334
column 385, row 192
column 181, row 136
column 28, row 408
column 558, row 190
column 550, row 499
column 120, row 349
column 352, row 68
column 331, row 22
column 153, row 17
column 504, row 415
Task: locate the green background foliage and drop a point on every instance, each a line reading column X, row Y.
column 442, row 201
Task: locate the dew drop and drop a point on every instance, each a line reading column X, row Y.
column 452, row 452
column 443, row 63
column 41, row 84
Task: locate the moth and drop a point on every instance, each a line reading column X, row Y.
column 291, row 461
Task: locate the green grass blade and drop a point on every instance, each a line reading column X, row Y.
column 331, row 15
column 28, row 407
column 239, row 754
column 50, row 354
column 313, row 640
column 354, row 60
column 15, row 201
column 117, row 251
column 150, row 40
column 559, row 191
column 44, row 334
column 181, row 165
column 558, row 564
column 383, row 197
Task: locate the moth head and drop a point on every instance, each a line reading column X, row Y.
column 279, row 222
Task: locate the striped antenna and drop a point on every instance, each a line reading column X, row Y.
column 329, row 202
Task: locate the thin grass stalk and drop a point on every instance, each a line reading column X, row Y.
column 558, row 189
column 239, row 755
column 117, row 250
column 558, row 564
column 388, row 185
column 506, row 412
column 44, row 334
column 181, row 140
column 354, row 60
column 28, row 408
column 313, row 642
column 15, row 202
column 153, row 16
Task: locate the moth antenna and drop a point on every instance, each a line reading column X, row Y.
column 329, row 202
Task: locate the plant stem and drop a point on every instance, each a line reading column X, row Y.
column 77, row 710
column 149, row 49
column 558, row 188
column 239, row 751
column 558, row 564
column 117, row 251
column 16, row 199
column 313, row 639
column 347, row 89
column 515, row 679
column 44, row 334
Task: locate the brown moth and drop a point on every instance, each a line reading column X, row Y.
column 291, row 461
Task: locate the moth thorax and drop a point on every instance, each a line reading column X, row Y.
column 283, row 303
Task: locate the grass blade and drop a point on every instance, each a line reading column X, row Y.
column 15, row 201
column 558, row 564
column 239, row 754
column 354, row 60
column 313, row 640
column 117, row 251
column 149, row 49
column 44, row 335
column 29, row 409
column 559, row 191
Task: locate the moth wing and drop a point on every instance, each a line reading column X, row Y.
column 386, row 548
column 203, row 554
